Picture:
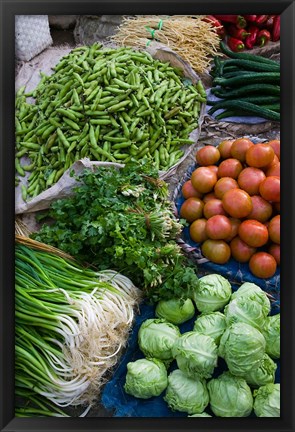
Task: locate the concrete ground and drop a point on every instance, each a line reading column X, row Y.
column 61, row 37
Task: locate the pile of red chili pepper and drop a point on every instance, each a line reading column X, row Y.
column 246, row 31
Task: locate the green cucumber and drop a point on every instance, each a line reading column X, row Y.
column 258, row 100
column 254, row 78
column 244, row 55
column 232, row 113
column 247, row 107
column 252, row 65
column 247, row 90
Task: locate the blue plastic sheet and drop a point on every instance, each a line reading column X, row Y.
column 114, row 397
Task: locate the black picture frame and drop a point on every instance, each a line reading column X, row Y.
column 9, row 9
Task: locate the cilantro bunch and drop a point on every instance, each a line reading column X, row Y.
column 122, row 219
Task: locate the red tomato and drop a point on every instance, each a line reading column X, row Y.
column 189, row 191
column 213, row 207
column 262, row 265
column 218, row 227
column 217, row 251
column 223, row 185
column 253, row 233
column 250, row 179
column 224, row 148
column 213, row 168
column 209, row 196
column 274, row 229
column 230, row 168
column 276, row 145
column 262, row 209
column 259, row 155
column 192, row 209
column 275, row 251
column 235, row 223
column 197, row 230
column 203, row 179
column 237, row 203
column 274, row 170
column 207, row 155
column 273, row 162
column 240, row 251
column 239, row 148
column 270, row 189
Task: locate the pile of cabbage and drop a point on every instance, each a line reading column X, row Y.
column 234, row 326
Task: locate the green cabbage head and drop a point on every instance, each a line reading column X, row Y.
column 263, row 374
column 253, row 292
column 186, row 394
column 146, row 378
column 271, row 333
column 196, row 354
column 212, row 293
column 204, row 414
column 230, row 396
column 242, row 347
column 245, row 309
column 267, row 401
column 156, row 338
column 176, row 311
column 211, row 324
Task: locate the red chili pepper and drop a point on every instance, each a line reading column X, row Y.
column 235, row 45
column 276, row 28
column 238, row 20
column 216, row 23
column 237, row 33
column 251, row 39
column 250, row 18
column 269, row 22
column 263, row 37
column 261, row 19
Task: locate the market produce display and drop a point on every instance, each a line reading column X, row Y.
column 246, row 84
column 232, row 202
column 197, row 379
column 149, row 302
column 122, row 219
column 71, row 323
column 108, row 105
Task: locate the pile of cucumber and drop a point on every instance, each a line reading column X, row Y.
column 247, row 84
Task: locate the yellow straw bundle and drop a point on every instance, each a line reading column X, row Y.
column 189, row 36
column 26, row 241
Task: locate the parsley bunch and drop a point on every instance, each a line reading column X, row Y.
column 122, row 219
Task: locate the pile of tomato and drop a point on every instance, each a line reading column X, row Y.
column 232, row 202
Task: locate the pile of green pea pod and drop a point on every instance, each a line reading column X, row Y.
column 107, row 104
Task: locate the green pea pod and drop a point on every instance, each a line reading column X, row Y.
column 124, row 127
column 18, row 168
column 62, row 138
column 125, row 144
column 98, row 152
column 24, row 192
column 118, row 106
column 67, row 113
column 58, row 174
column 48, row 132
